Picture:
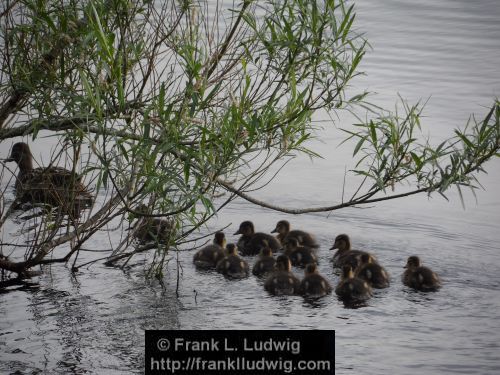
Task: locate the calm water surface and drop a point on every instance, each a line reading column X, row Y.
column 444, row 51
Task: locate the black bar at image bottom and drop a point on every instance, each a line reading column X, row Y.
column 280, row 352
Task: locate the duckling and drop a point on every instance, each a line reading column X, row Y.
column 282, row 281
column 352, row 289
column 344, row 254
column 419, row 277
column 300, row 256
column 53, row 186
column 373, row 273
column 152, row 229
column 250, row 242
column 284, row 233
column 313, row 284
column 232, row 266
column 266, row 262
column 210, row 255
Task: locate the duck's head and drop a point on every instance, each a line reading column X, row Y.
column 413, row 262
column 246, row 229
column 311, row 269
column 282, row 227
column 266, row 251
column 231, row 249
column 291, row 244
column 342, row 242
column 366, row 258
column 347, row 272
column 220, row 239
column 283, row 263
column 21, row 154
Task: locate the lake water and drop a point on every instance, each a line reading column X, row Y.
column 447, row 51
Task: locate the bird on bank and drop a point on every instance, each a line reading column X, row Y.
column 352, row 289
column 284, row 233
column 266, row 262
column 419, row 277
column 152, row 229
column 250, row 242
column 314, row 284
column 300, row 256
column 345, row 255
column 53, row 186
column 373, row 273
column 282, row 281
column 232, row 266
column 210, row 255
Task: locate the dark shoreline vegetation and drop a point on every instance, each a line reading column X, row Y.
column 166, row 116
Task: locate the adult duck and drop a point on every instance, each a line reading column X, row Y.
column 232, row 266
column 265, row 264
column 53, row 186
column 373, row 273
column 210, row 255
column 300, row 256
column 250, row 242
column 352, row 289
column 419, row 277
column 314, row 284
column 282, row 281
column 345, row 255
column 284, row 233
column 152, row 229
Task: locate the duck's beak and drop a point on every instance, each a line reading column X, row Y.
column 275, row 230
column 9, row 159
column 237, row 232
column 334, row 246
column 406, row 266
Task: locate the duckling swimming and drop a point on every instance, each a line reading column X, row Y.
column 53, row 186
column 250, row 242
column 210, row 255
column 266, row 262
column 300, row 256
column 419, row 277
column 152, row 229
column 282, row 281
column 352, row 289
column 284, row 233
column 373, row 273
column 345, row 255
column 232, row 266
column 313, row 284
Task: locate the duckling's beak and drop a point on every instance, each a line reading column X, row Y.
column 334, row 246
column 275, row 230
column 237, row 232
column 406, row 266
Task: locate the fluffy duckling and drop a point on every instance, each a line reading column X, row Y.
column 373, row 273
column 152, row 229
column 313, row 284
column 284, row 233
column 345, row 255
column 266, row 262
column 210, row 255
column 352, row 289
column 282, row 281
column 419, row 277
column 53, row 186
column 232, row 266
column 300, row 256
column 250, row 242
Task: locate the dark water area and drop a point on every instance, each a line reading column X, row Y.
column 446, row 52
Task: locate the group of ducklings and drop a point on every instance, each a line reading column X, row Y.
column 361, row 271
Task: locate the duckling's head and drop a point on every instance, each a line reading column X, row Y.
column 311, row 269
column 231, row 249
column 21, row 154
column 266, row 251
column 282, row 227
column 220, row 239
column 347, row 272
column 342, row 242
column 283, row 263
column 246, row 229
column 366, row 258
column 413, row 262
column 291, row 244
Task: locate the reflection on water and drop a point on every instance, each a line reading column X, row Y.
column 94, row 321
